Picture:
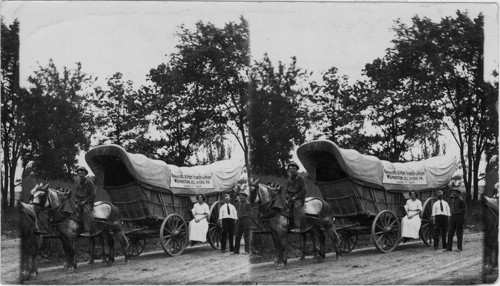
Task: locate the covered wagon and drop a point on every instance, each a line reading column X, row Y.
column 155, row 198
column 368, row 195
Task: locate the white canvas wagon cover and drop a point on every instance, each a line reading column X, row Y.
column 217, row 177
column 432, row 173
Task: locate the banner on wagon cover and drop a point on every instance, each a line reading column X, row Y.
column 405, row 176
column 191, row 180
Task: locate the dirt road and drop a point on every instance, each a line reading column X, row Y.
column 197, row 265
column 410, row 263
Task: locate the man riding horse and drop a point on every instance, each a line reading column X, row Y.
column 84, row 199
column 296, row 194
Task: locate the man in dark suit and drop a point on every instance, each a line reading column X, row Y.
column 458, row 211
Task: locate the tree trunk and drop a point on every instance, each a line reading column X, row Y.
column 12, row 179
column 475, row 195
column 5, row 183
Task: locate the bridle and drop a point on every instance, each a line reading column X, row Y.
column 265, row 212
column 53, row 211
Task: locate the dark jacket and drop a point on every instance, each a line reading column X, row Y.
column 85, row 191
column 296, row 187
column 458, row 206
column 244, row 209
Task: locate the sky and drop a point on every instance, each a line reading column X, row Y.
column 133, row 37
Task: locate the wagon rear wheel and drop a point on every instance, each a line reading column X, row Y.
column 136, row 244
column 427, row 228
column 173, row 234
column 214, row 233
column 386, row 231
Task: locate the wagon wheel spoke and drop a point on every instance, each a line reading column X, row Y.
column 380, row 237
column 347, row 243
column 392, row 223
column 380, row 226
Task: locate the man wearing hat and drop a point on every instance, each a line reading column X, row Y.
column 296, row 194
column 244, row 221
column 84, row 198
column 440, row 214
column 458, row 210
column 227, row 218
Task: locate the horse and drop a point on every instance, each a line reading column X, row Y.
column 275, row 218
column 69, row 226
column 490, row 220
column 30, row 242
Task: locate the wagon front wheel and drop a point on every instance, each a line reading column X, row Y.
column 386, row 231
column 347, row 240
column 426, row 227
column 173, row 234
column 214, row 233
column 136, row 245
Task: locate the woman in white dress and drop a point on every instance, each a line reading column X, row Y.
column 411, row 222
column 198, row 227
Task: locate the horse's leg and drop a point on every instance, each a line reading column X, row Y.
column 65, row 245
column 25, row 256
column 32, row 256
column 275, row 243
column 111, row 245
column 321, row 238
column 282, row 245
column 304, row 239
column 330, row 231
column 104, row 256
column 313, row 239
column 72, row 252
column 123, row 242
column 92, row 250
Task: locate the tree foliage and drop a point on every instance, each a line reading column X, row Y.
column 12, row 109
column 278, row 118
column 59, row 123
column 337, row 111
column 446, row 58
column 201, row 92
column 121, row 113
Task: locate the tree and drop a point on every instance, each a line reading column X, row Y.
column 278, row 118
column 60, row 123
column 337, row 111
column 180, row 112
column 203, row 86
column 398, row 108
column 12, row 122
column 447, row 59
column 121, row 114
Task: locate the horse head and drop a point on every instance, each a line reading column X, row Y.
column 262, row 194
column 47, row 198
column 39, row 196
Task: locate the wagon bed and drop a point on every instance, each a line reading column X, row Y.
column 155, row 199
column 367, row 195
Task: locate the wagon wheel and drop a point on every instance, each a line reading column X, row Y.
column 386, row 231
column 136, row 244
column 427, row 228
column 173, row 234
column 214, row 233
column 348, row 240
